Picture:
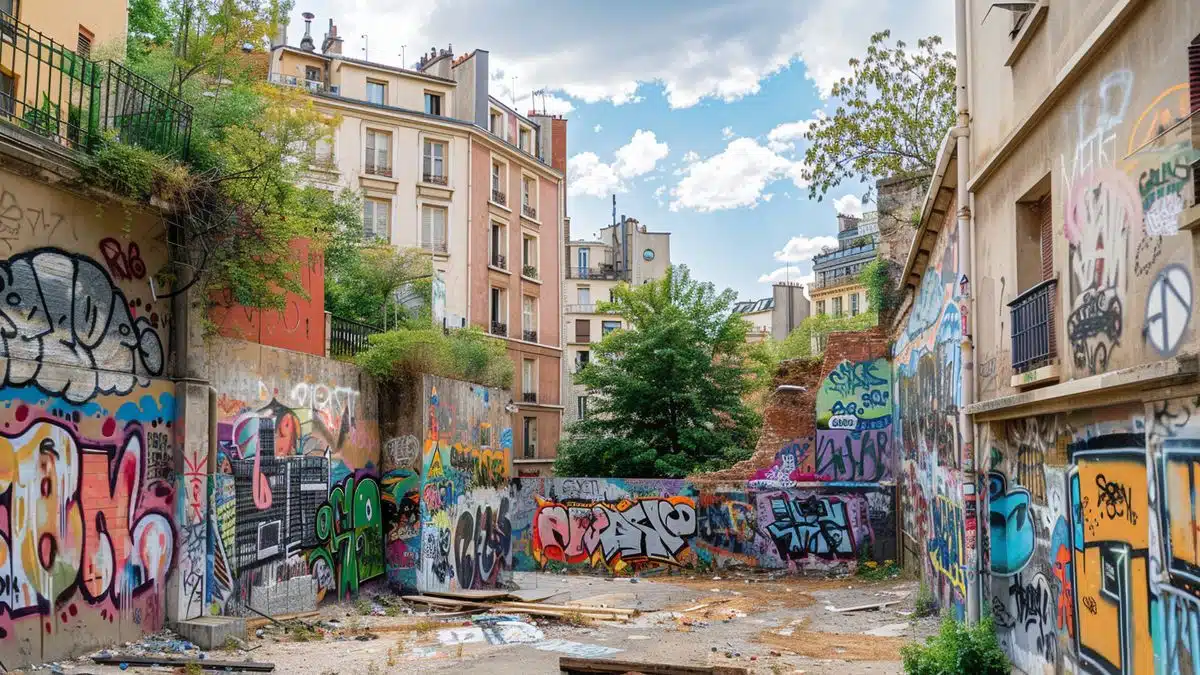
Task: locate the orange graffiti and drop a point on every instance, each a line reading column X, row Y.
column 1171, row 106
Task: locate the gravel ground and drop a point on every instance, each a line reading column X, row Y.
column 767, row 625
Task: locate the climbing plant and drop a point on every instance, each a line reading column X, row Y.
column 804, row 342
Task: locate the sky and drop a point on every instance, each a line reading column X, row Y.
column 691, row 113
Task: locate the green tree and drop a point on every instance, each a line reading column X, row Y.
column 894, row 110
column 669, row 389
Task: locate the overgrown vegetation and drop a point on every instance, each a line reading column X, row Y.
column 958, row 650
column 813, row 331
column 464, row 354
column 870, row 570
column 669, row 391
column 926, row 602
column 876, row 277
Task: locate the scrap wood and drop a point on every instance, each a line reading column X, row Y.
column 253, row 624
column 477, row 594
column 445, row 602
column 535, row 594
column 858, row 608
column 570, row 665
column 707, row 604
column 569, row 608
column 133, row 660
column 560, row 614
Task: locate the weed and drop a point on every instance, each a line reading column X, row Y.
column 957, row 649
column 575, row 618
column 192, row 669
column 362, row 606
column 392, row 610
column 372, row 669
column 232, row 644
column 873, row 571
column 391, row 659
column 302, row 632
column 926, row 604
column 459, row 655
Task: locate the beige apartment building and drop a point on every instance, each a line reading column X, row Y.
column 622, row 253
column 835, row 289
column 444, row 166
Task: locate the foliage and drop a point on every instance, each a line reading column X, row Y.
column 134, row 171
column 895, row 108
column 870, row 570
column 529, row 272
column 881, row 290
column 926, row 602
column 957, row 649
column 669, row 390
column 210, row 36
column 799, row 343
column 466, row 354
column 148, row 25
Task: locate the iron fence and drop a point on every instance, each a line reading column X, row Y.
column 1033, row 326
column 348, row 337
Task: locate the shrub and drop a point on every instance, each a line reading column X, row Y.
column 957, row 650
column 465, row 354
column 926, row 604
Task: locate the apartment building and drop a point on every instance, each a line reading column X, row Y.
column 759, row 314
column 1046, row 362
column 622, row 253
column 835, row 289
column 777, row 316
column 445, row 166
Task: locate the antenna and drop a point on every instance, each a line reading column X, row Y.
column 538, row 93
column 366, row 44
column 513, row 91
column 403, row 63
column 614, row 209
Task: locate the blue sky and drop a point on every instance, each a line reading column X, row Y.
column 691, row 112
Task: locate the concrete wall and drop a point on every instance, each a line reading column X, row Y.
column 295, row 511
column 88, row 511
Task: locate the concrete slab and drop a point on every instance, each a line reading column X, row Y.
column 211, row 632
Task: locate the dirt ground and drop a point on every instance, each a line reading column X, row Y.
column 767, row 625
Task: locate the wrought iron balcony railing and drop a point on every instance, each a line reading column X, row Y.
column 529, row 397
column 348, row 337
column 499, row 198
column 500, row 329
column 439, row 247
column 1033, row 339
column 600, row 273
column 529, row 335
column 375, row 169
column 528, row 211
column 435, row 178
column 499, row 261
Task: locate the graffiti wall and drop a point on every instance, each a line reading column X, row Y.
column 927, row 356
column 465, row 503
column 88, row 518
column 296, row 500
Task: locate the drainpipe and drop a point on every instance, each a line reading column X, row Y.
column 962, row 136
column 470, row 223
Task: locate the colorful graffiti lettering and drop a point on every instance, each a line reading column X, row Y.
column 810, row 527
column 946, row 551
column 626, row 532
column 1011, row 528
column 482, row 541
column 349, row 527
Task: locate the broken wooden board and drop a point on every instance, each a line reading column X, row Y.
column 444, row 602
column 571, row 608
column 253, row 624
column 558, row 613
column 473, row 595
column 135, row 661
column 569, row 665
column 860, row 608
column 535, row 594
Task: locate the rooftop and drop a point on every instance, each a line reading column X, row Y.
column 753, row 306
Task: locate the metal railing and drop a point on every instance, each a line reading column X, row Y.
column 348, row 337
column 500, row 329
column 834, row 281
column 499, row 261
column 435, row 178
column 440, row 247
column 529, row 335
column 1033, row 326
column 378, row 169
column 74, row 101
column 529, row 397
column 849, row 251
column 499, row 198
column 586, row 308
column 528, row 211
column 601, row 273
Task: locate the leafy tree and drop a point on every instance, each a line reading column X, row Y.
column 361, row 283
column 895, row 108
column 669, row 389
column 148, row 25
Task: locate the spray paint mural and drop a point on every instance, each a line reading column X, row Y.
column 296, row 500
column 89, row 518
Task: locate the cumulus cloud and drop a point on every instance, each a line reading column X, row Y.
column 849, row 205
column 588, row 175
column 788, row 273
column 783, row 138
column 711, row 49
column 733, row 178
column 800, row 249
column 727, row 133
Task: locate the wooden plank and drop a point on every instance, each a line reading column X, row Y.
column 445, row 602
column 254, row 624
column 206, row 664
column 571, row 608
column 558, row 613
column 477, row 595
column 569, row 665
column 859, row 608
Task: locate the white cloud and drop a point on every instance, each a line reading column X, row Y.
column 734, row 178
column 783, row 137
column 587, row 175
column 849, row 205
column 740, row 43
column 597, row 128
column 658, row 194
column 802, row 249
column 788, row 273
column 727, row 133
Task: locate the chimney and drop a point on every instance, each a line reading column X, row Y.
column 279, row 35
column 846, row 222
column 332, row 44
column 306, row 42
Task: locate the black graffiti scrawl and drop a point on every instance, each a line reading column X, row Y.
column 61, row 309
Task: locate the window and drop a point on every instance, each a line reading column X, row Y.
column 529, row 197
column 9, row 7
column 8, row 31
column 433, row 104
column 837, row 306
column 7, row 87
column 820, row 307
column 84, row 46
column 607, row 327
column 496, row 123
column 435, row 162
column 582, row 359
column 312, row 74
column 529, row 379
column 523, row 138
column 583, row 330
column 584, row 255
column 529, row 437
column 499, row 309
column 498, row 195
column 499, row 246
column 529, row 318
column 529, row 256
column 584, row 295
column 854, row 304
column 433, row 228
column 376, row 92
column 322, row 151
column 379, row 149
column 375, row 219
column 581, row 404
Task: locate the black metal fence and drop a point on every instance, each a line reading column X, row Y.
column 50, row 90
column 1033, row 326
column 348, row 337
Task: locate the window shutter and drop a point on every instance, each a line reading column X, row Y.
column 1194, row 73
column 439, row 226
column 427, row 225
column 368, row 219
column 370, row 149
column 1045, row 216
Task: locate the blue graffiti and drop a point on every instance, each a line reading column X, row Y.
column 147, row 409
column 1011, row 535
column 506, row 438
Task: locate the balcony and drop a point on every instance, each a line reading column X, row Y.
column 436, row 247
column 600, row 273
column 499, row 261
column 1033, row 339
column 435, row 179
column 529, row 212
column 315, row 86
column 373, row 169
column 529, row 335
column 348, row 337
column 499, row 197
column 529, row 272
column 834, row 281
column 74, row 101
column 843, row 254
column 529, row 397
column 499, row 329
